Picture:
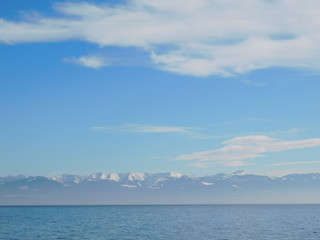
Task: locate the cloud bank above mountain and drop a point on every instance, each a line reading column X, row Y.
column 240, row 149
column 193, row 37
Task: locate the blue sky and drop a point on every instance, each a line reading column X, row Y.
column 196, row 86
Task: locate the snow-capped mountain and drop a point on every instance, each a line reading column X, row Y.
column 130, row 179
column 159, row 188
column 11, row 178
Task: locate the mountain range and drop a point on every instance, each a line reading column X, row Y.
column 159, row 188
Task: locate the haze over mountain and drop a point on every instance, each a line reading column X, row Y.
column 159, row 188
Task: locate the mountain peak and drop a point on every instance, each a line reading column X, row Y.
column 239, row 173
column 175, row 175
column 97, row 176
column 135, row 176
column 114, row 177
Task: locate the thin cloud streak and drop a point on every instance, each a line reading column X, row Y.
column 239, row 150
column 294, row 163
column 206, row 38
column 213, row 164
column 143, row 128
column 95, row 62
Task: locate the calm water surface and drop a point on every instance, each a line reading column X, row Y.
column 221, row 222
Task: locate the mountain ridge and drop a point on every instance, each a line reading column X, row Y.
column 159, row 188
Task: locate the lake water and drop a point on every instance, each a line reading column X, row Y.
column 194, row 222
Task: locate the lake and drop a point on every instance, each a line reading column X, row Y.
column 171, row 222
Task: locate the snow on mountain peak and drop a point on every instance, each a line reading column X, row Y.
column 114, row 176
column 175, row 175
column 207, row 183
column 97, row 176
column 239, row 173
column 57, row 179
column 67, row 178
column 135, row 176
column 103, row 176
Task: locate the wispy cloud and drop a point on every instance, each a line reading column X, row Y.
column 278, row 133
column 90, row 61
column 212, row 164
column 294, row 163
column 241, row 149
column 205, row 37
column 291, row 131
column 252, row 83
column 143, row 128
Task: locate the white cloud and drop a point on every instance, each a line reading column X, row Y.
column 240, row 149
column 95, row 62
column 206, row 37
column 143, row 128
column 295, row 163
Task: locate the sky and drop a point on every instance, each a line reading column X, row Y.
column 191, row 86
